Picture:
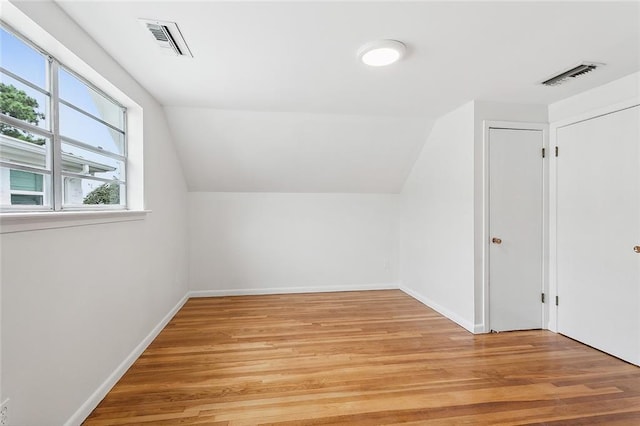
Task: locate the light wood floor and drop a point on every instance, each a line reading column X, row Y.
column 361, row 358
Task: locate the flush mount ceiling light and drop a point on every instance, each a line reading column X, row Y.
column 382, row 52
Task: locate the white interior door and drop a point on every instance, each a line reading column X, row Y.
column 598, row 226
column 515, row 229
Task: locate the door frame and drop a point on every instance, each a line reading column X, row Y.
column 552, row 309
column 514, row 125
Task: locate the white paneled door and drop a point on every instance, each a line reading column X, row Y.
column 598, row 232
column 515, row 229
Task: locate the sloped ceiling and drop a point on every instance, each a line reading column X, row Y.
column 276, row 100
column 295, row 152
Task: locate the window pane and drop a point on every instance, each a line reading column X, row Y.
column 85, row 129
column 20, row 101
column 21, row 187
column 76, row 92
column 78, row 191
column 27, row 149
column 22, row 60
column 26, row 200
column 78, row 160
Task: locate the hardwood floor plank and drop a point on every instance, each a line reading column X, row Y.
column 366, row 358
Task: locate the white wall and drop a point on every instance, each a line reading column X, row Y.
column 442, row 224
column 274, row 242
column 437, row 219
column 77, row 301
column 612, row 93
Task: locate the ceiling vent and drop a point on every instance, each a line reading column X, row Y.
column 577, row 71
column 168, row 36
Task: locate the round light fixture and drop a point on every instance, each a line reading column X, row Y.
column 382, row 52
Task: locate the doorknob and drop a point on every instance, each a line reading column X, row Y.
column 636, row 249
column 495, row 240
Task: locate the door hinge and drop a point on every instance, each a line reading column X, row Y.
column 542, row 298
column 556, row 151
column 556, row 300
column 543, row 152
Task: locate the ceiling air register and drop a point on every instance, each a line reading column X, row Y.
column 577, row 71
column 168, row 36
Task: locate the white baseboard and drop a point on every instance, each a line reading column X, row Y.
column 469, row 326
column 92, row 402
column 286, row 290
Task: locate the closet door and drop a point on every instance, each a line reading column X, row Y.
column 598, row 229
column 515, row 229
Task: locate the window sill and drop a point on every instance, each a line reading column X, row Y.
column 33, row 221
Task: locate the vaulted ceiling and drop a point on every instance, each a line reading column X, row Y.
column 275, row 98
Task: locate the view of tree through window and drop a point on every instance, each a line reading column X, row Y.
column 16, row 103
column 89, row 135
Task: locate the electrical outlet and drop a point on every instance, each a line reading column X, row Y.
column 4, row 413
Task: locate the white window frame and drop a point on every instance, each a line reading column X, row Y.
column 55, row 171
column 20, row 221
